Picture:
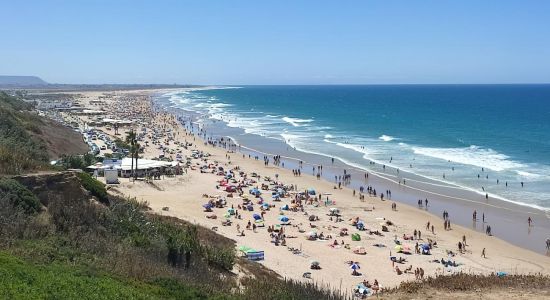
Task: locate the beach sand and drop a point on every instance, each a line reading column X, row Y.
column 183, row 196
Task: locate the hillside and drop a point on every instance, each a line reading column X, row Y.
column 21, row 81
column 60, row 242
column 28, row 142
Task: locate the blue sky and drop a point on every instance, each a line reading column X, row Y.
column 277, row 42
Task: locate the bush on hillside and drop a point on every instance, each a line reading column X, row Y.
column 19, row 150
column 95, row 187
column 18, row 195
column 77, row 161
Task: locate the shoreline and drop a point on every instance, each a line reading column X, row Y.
column 504, row 216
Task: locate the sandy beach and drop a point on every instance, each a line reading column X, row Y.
column 183, row 196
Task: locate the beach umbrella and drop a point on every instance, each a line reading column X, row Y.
column 355, row 266
column 265, row 205
column 398, row 248
column 283, row 219
column 231, row 211
column 312, row 234
column 257, row 217
column 227, row 216
column 425, row 246
column 315, row 263
column 207, row 205
column 311, row 191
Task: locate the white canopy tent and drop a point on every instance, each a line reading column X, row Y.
column 143, row 164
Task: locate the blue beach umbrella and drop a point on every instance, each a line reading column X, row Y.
column 257, row 217
column 355, row 266
column 283, row 218
column 207, row 205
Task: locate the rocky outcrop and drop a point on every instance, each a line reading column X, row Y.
column 61, row 185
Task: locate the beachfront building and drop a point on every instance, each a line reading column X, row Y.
column 145, row 167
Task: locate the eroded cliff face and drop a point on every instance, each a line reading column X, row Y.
column 64, row 186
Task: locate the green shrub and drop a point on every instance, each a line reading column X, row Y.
column 94, row 186
column 18, row 195
column 223, row 258
column 19, row 150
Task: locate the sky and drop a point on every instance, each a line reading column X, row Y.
column 277, row 42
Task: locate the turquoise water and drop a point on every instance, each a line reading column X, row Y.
column 444, row 134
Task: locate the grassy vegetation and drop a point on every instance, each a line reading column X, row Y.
column 20, row 151
column 24, row 280
column 18, row 196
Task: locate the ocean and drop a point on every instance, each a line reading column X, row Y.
column 484, row 139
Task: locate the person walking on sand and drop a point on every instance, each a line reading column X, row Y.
column 529, row 221
column 483, row 253
column 548, row 244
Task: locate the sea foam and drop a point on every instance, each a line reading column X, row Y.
column 386, row 138
column 296, row 122
column 473, row 155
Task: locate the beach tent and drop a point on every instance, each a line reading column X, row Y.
column 355, row 237
column 283, row 219
column 255, row 192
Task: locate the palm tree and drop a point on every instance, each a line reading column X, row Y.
column 136, row 155
column 131, row 139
